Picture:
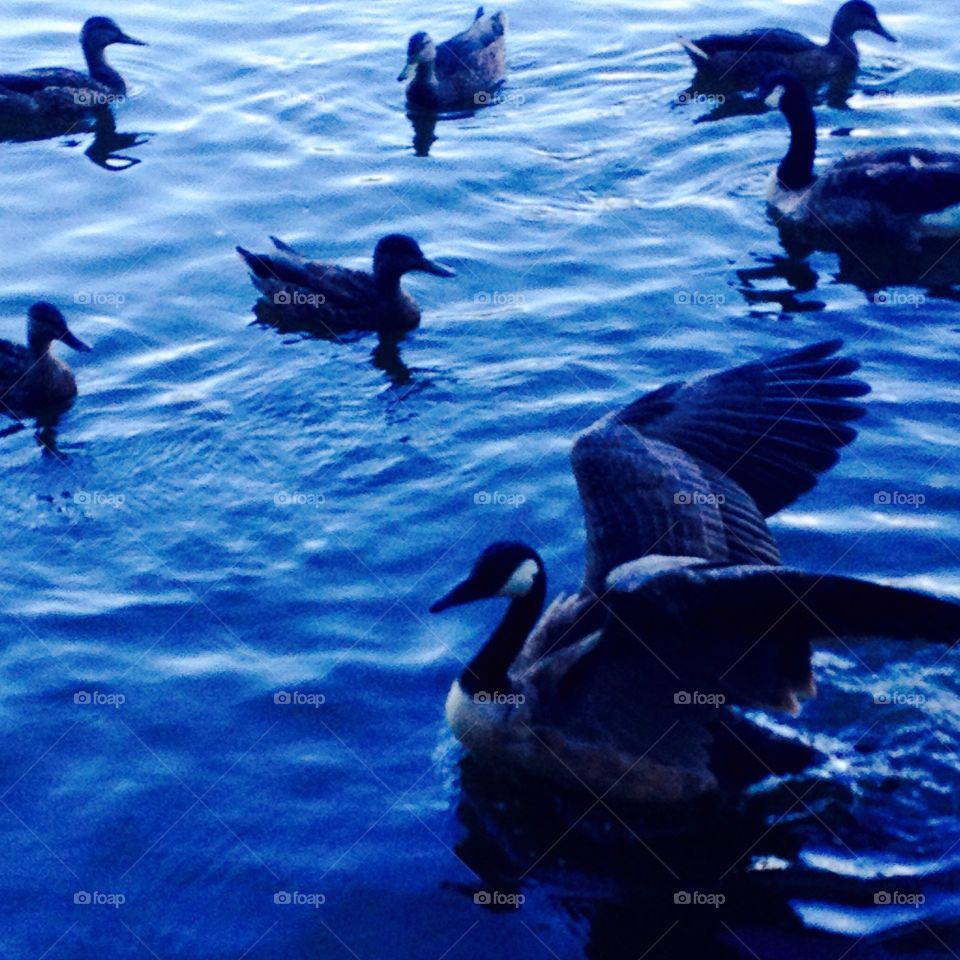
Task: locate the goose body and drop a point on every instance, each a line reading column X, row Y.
column 52, row 95
column 902, row 193
column 462, row 73
column 32, row 379
column 623, row 688
column 743, row 59
column 336, row 299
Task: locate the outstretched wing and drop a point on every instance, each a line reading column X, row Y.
column 907, row 181
column 745, row 632
column 693, row 469
column 716, row 637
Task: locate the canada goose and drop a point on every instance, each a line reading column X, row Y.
column 900, row 193
column 624, row 687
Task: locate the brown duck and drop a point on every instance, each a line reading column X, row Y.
column 32, row 379
column 333, row 298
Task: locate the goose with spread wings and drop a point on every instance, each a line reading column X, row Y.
column 625, row 687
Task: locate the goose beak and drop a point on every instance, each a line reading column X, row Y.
column 437, row 269
column 75, row 342
column 462, row 593
column 880, row 29
column 407, row 72
column 125, row 38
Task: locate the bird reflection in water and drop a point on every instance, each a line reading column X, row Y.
column 103, row 150
column 932, row 269
column 385, row 356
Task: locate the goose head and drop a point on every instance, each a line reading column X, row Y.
column 398, row 254
column 784, row 91
column 420, row 49
column 100, row 32
column 505, row 569
column 45, row 323
column 857, row 15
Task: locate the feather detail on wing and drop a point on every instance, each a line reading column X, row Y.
column 907, row 181
column 745, row 632
column 693, row 469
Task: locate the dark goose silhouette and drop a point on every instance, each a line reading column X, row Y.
column 903, row 194
column 624, row 688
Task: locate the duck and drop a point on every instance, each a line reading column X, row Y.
column 901, row 194
column 634, row 687
column 32, row 379
column 51, row 94
column 333, row 298
column 464, row 72
column 743, row 59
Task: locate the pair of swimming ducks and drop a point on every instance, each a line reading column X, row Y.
column 683, row 588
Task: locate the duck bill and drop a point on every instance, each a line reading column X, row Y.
column 437, row 269
column 75, row 342
column 462, row 593
column 880, row 29
column 126, row 38
column 407, row 72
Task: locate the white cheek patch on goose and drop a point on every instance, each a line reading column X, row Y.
column 774, row 97
column 521, row 580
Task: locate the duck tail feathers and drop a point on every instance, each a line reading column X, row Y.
column 286, row 248
column 697, row 54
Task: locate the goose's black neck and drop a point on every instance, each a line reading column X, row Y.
column 487, row 671
column 796, row 169
column 99, row 69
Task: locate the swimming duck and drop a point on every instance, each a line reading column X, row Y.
column 743, row 59
column 684, row 608
column 902, row 193
column 335, row 298
column 464, row 72
column 32, row 379
column 58, row 93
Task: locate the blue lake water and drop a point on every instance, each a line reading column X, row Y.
column 239, row 519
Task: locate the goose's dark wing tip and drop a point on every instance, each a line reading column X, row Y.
column 695, row 467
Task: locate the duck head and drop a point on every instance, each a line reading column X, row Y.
column 100, row 32
column 398, row 254
column 420, row 50
column 857, row 15
column 45, row 323
column 505, row 569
